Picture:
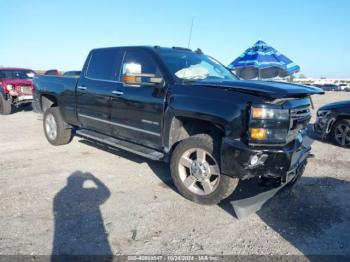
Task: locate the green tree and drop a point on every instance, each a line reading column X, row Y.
column 291, row 78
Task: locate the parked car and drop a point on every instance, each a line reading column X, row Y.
column 333, row 122
column 344, row 87
column 16, row 88
column 176, row 105
column 330, row 87
column 52, row 72
column 72, row 73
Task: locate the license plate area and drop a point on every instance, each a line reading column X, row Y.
column 25, row 97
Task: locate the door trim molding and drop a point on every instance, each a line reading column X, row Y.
column 120, row 125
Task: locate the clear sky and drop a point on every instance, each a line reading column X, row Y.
column 58, row 34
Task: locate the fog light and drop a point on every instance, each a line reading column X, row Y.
column 254, row 160
column 257, row 160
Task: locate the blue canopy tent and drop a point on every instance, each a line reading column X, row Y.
column 263, row 61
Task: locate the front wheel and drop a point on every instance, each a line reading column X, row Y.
column 55, row 128
column 341, row 133
column 196, row 173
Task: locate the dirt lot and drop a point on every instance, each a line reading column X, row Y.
column 48, row 203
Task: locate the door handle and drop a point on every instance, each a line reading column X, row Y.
column 117, row 93
column 82, row 87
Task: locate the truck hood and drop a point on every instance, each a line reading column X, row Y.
column 335, row 105
column 267, row 89
column 16, row 82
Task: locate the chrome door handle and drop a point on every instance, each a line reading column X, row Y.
column 82, row 87
column 118, row 93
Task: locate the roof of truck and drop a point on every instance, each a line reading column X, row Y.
column 149, row 47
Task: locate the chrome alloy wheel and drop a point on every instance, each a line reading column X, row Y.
column 199, row 171
column 342, row 134
column 51, row 127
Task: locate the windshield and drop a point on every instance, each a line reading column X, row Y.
column 16, row 74
column 190, row 66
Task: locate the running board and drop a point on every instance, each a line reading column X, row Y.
column 127, row 146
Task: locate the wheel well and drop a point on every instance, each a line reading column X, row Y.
column 47, row 101
column 184, row 127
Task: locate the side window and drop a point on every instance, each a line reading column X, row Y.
column 105, row 64
column 144, row 59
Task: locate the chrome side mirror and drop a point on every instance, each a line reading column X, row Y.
column 132, row 76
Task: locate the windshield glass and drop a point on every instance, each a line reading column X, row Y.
column 190, row 66
column 16, row 74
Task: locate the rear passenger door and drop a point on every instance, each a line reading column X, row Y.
column 95, row 89
column 138, row 110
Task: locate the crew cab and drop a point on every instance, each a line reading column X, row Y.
column 183, row 107
column 16, row 88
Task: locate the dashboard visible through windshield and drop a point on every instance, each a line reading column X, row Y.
column 190, row 66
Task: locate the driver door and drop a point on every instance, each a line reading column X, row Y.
column 137, row 110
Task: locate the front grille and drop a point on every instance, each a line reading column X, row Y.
column 24, row 89
column 299, row 119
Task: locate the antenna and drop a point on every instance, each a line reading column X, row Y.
column 190, row 35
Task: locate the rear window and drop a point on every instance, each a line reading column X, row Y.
column 105, row 64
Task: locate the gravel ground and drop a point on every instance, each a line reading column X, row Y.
column 79, row 199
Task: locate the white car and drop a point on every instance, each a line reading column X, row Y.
column 344, row 87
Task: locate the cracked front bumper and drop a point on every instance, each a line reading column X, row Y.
column 238, row 159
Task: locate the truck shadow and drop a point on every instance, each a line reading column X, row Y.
column 79, row 229
column 313, row 216
column 159, row 168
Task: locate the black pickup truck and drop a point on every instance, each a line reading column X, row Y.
column 182, row 106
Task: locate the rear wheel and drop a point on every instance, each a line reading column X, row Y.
column 196, row 172
column 55, row 128
column 341, row 133
column 5, row 106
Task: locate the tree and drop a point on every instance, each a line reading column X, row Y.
column 290, row 78
column 302, row 76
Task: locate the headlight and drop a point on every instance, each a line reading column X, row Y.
column 268, row 135
column 269, row 113
column 268, row 125
column 9, row 87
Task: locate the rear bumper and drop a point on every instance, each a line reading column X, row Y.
column 239, row 160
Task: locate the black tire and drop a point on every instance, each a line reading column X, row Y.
column 5, row 106
column 344, row 124
column 63, row 134
column 224, row 186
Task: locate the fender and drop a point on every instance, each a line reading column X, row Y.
column 225, row 114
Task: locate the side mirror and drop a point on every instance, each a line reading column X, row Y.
column 132, row 76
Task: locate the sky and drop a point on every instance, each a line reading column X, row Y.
column 315, row 34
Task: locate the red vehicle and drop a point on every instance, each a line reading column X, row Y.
column 16, row 88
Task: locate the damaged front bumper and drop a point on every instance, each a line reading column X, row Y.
column 286, row 163
column 324, row 122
